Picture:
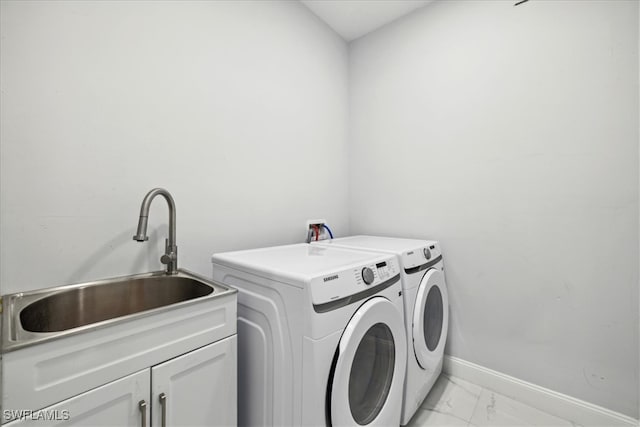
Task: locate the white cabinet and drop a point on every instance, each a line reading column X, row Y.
column 198, row 389
column 41, row 375
column 113, row 404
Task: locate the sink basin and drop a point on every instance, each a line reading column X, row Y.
column 86, row 305
column 46, row 314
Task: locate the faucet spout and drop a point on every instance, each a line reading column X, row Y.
column 170, row 258
column 141, row 234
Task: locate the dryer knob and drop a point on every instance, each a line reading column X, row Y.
column 427, row 253
column 367, row 275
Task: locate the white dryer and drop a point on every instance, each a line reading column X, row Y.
column 426, row 308
column 321, row 337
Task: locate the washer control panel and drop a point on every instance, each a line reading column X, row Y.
column 351, row 281
column 367, row 276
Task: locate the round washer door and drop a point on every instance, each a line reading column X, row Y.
column 370, row 367
column 430, row 319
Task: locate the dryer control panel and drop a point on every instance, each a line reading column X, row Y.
column 423, row 255
column 350, row 282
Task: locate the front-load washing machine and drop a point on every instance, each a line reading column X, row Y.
column 321, row 337
column 426, row 308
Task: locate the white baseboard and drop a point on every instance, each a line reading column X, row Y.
column 558, row 404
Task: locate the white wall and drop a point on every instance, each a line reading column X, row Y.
column 237, row 108
column 511, row 135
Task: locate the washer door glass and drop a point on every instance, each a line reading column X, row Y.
column 367, row 377
column 430, row 318
column 371, row 373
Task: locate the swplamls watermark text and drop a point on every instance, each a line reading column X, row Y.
column 40, row 415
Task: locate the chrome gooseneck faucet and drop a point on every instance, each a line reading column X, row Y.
column 170, row 257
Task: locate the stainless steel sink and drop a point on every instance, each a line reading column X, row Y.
column 36, row 316
column 91, row 304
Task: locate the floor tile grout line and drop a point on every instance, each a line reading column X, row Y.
column 455, row 381
column 476, row 406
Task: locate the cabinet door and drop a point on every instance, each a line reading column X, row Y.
column 114, row 404
column 198, row 388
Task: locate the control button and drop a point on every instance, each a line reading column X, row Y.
column 427, row 253
column 367, row 275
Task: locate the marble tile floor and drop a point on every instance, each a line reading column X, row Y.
column 455, row 402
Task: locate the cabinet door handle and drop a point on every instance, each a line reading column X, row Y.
column 163, row 403
column 142, row 405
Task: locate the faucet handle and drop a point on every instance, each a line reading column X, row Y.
column 168, row 258
column 170, row 253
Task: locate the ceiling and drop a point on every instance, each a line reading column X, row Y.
column 355, row 18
